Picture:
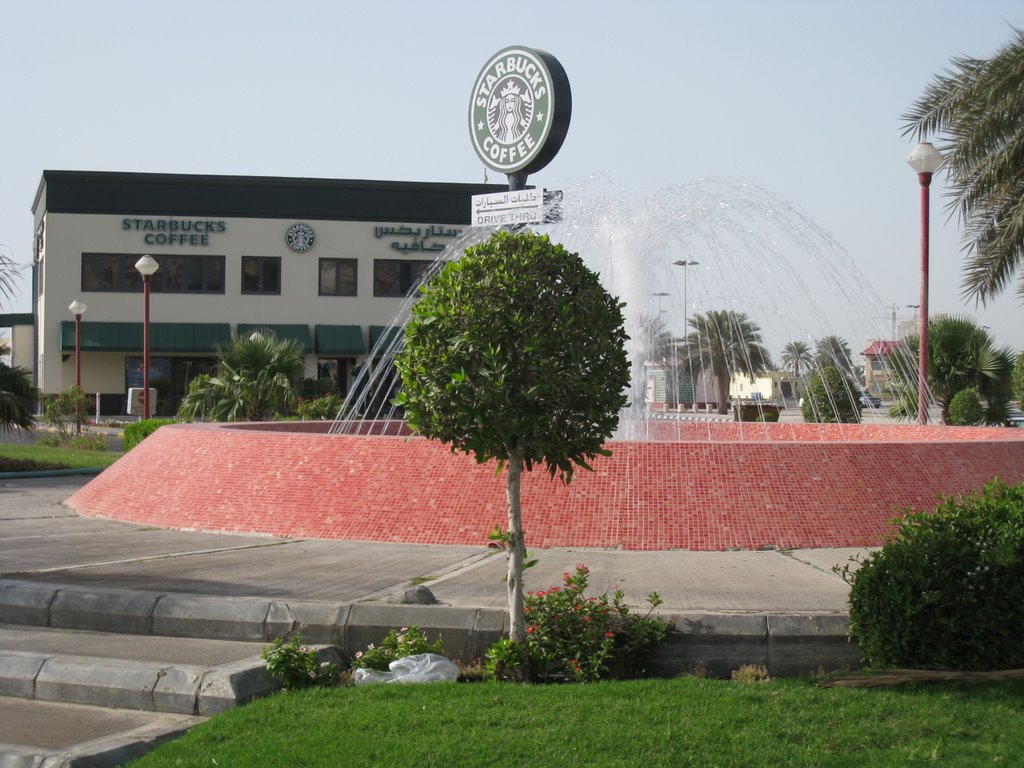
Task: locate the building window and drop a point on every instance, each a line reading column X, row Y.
column 177, row 274
column 397, row 277
column 261, row 274
column 338, row 277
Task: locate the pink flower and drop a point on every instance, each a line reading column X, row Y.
column 359, row 654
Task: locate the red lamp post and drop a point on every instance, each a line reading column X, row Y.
column 925, row 160
column 78, row 308
column 146, row 266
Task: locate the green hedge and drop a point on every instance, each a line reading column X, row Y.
column 948, row 591
column 137, row 432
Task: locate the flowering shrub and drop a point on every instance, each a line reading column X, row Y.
column 573, row 637
column 398, row 643
column 321, row 408
column 296, row 666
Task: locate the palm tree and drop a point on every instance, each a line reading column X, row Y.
column 257, row 376
column 9, row 274
column 976, row 108
column 725, row 341
column 797, row 357
column 17, row 394
column 656, row 342
column 835, row 352
column 962, row 356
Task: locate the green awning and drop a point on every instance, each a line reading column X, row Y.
column 127, row 337
column 17, row 318
column 299, row 333
column 339, row 340
column 389, row 333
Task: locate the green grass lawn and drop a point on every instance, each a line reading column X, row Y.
column 69, row 457
column 646, row 724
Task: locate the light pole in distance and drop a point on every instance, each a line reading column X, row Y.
column 146, row 266
column 925, row 159
column 78, row 308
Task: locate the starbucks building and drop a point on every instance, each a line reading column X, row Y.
column 326, row 262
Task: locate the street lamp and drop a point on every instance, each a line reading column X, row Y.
column 146, row 266
column 660, row 295
column 684, row 263
column 925, row 159
column 78, row 308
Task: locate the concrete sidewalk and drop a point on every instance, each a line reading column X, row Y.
column 61, row 573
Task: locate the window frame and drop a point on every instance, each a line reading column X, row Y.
column 417, row 269
column 126, row 278
column 261, row 277
column 337, row 263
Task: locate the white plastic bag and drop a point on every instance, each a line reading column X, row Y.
column 419, row 668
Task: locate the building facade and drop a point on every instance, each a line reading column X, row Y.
column 326, row 262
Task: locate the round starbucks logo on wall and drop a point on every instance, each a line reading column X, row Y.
column 519, row 110
column 300, row 237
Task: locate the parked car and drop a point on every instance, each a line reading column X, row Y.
column 870, row 401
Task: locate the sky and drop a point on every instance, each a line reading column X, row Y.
column 799, row 97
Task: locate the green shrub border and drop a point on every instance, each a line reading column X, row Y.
column 947, row 592
column 138, row 431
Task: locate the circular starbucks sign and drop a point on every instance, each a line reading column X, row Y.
column 519, row 111
column 300, row 237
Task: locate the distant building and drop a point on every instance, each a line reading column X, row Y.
column 877, row 366
column 773, row 385
column 327, row 262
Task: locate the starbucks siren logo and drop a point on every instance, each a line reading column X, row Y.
column 519, row 110
column 300, row 237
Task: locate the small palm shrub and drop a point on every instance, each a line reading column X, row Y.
column 947, row 591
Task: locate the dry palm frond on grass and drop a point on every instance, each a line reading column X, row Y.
column 889, row 677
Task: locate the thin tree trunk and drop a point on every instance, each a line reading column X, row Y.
column 516, row 556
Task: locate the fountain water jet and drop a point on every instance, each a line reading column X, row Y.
column 669, row 484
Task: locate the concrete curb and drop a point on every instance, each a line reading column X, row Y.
column 52, row 472
column 107, row 752
column 137, row 685
column 786, row 645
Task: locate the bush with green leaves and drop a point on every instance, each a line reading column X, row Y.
column 947, row 592
column 86, row 441
column 138, row 431
column 830, row 398
column 965, row 409
column 397, row 644
column 516, row 353
column 570, row 636
column 295, row 665
column 321, row 408
column 66, row 410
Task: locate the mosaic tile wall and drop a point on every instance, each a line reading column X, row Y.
column 729, row 486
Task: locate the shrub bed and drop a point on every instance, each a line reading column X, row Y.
column 947, row 592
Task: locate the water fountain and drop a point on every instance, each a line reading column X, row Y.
column 679, row 478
